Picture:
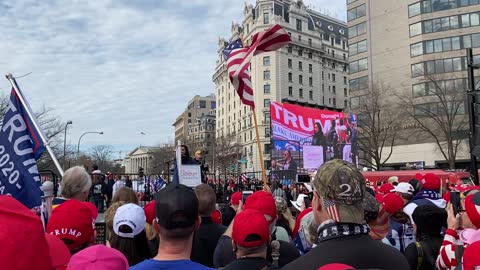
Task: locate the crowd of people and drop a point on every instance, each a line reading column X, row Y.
column 338, row 221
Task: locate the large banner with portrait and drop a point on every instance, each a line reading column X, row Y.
column 303, row 138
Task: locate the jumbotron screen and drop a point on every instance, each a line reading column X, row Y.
column 303, row 138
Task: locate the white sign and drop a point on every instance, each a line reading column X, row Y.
column 312, row 156
column 190, row 175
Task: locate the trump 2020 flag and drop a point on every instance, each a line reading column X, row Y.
column 20, row 146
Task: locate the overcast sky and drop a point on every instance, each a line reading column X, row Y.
column 118, row 66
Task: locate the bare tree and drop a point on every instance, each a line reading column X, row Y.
column 377, row 126
column 439, row 114
column 227, row 154
column 162, row 160
column 101, row 155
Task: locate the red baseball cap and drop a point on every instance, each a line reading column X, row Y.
column 217, row 217
column 74, row 221
column 386, row 188
column 93, row 209
column 59, row 253
column 336, row 266
column 470, row 256
column 264, row 202
column 472, row 207
column 392, row 203
column 98, row 257
column 431, row 181
column 250, row 223
column 22, row 237
column 149, row 210
column 236, row 197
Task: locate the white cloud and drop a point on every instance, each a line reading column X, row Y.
column 119, row 66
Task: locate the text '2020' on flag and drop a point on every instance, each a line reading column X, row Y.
column 20, row 147
column 238, row 58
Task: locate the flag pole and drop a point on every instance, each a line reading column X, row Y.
column 262, row 165
column 16, row 88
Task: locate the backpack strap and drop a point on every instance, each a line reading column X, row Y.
column 419, row 255
column 458, row 256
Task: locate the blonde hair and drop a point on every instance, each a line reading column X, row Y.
column 125, row 194
column 75, row 181
column 150, row 231
column 110, row 214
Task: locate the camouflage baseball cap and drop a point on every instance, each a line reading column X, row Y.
column 342, row 187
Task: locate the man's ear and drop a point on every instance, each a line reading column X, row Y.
column 234, row 246
column 156, row 226
column 198, row 223
column 317, row 202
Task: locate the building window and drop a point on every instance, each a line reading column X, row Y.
column 266, row 103
column 290, row 63
column 299, row 38
column 357, row 30
column 300, row 93
column 438, row 66
column 290, row 77
column 266, row 19
column 203, row 104
column 266, row 74
column 310, row 94
column 345, row 92
column 289, row 49
column 356, row 12
column 267, row 132
column 300, row 79
column 333, row 77
column 266, row 89
column 358, row 47
column 213, row 105
column 310, row 42
column 266, row 148
column 300, row 53
column 334, row 89
column 345, row 105
column 334, row 101
column 266, row 61
column 345, row 80
column 444, row 45
column 414, row 9
column 300, row 65
column 415, row 29
column 299, row 25
column 359, row 65
column 310, row 81
column 310, row 68
column 290, row 91
column 449, row 86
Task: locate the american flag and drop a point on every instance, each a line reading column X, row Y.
column 331, row 209
column 238, row 58
column 244, row 177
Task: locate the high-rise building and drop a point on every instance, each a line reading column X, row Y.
column 411, row 46
column 197, row 107
column 201, row 135
column 312, row 69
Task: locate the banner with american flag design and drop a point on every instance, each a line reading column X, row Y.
column 238, row 58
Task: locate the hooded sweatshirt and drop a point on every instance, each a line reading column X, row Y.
column 424, row 197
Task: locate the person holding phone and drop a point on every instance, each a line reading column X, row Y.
column 467, row 217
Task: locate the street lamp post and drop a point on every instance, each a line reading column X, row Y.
column 65, row 143
column 79, row 139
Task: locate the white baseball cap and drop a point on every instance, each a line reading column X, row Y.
column 404, row 188
column 300, row 200
column 131, row 215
